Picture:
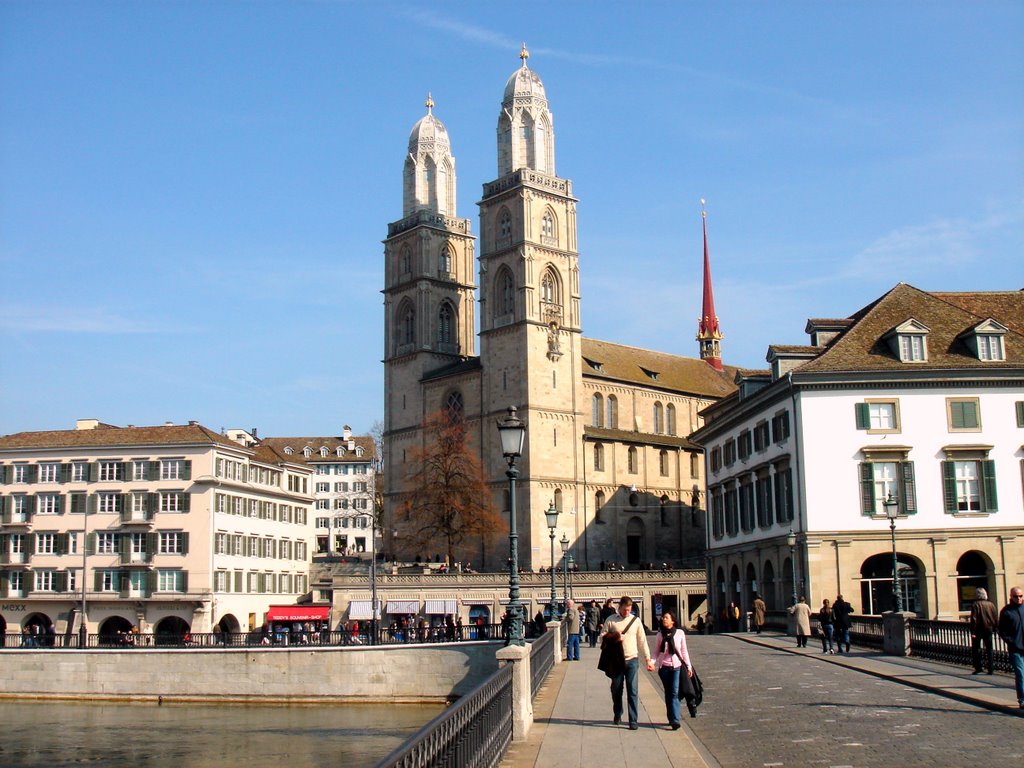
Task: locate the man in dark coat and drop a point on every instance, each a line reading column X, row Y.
column 983, row 620
column 842, row 611
column 1011, row 629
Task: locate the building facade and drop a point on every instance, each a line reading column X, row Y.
column 916, row 401
column 169, row 529
column 606, row 423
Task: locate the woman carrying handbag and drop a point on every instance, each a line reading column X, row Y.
column 672, row 660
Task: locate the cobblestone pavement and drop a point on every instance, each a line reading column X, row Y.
column 767, row 707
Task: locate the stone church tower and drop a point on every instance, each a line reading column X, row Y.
column 606, row 423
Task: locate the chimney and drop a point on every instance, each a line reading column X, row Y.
column 255, row 436
column 82, row 424
column 346, row 432
column 168, row 423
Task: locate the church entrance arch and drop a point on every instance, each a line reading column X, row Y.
column 635, row 541
column 876, row 592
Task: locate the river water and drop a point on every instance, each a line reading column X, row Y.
column 48, row 734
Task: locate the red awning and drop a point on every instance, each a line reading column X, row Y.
column 298, row 612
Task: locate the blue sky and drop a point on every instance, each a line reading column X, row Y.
column 193, row 194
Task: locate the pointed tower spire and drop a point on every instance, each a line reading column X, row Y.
column 709, row 334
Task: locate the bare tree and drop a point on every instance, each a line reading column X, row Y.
column 448, row 499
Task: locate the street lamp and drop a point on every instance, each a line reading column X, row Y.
column 564, row 542
column 791, row 541
column 892, row 511
column 552, row 516
column 512, row 432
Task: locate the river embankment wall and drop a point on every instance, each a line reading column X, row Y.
column 399, row 674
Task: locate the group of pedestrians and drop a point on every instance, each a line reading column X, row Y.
column 834, row 624
column 1009, row 624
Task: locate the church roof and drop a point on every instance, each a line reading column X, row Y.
column 660, row 370
column 428, row 130
column 640, row 438
column 524, row 83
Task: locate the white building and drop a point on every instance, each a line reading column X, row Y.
column 919, row 399
column 170, row 529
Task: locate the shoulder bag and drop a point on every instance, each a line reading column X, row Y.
column 613, row 660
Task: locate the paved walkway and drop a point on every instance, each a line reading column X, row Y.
column 572, row 712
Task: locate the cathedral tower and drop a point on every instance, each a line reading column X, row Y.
column 709, row 333
column 530, row 304
column 428, row 283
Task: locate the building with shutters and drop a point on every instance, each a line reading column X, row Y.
column 171, row 529
column 607, row 423
column 916, row 400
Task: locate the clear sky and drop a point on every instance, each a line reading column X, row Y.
column 193, row 194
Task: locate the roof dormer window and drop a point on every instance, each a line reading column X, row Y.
column 288, row 450
column 341, row 450
column 323, row 451
column 985, row 340
column 909, row 341
column 307, row 452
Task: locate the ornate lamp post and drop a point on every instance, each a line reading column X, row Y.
column 791, row 541
column 892, row 511
column 552, row 517
column 564, row 543
column 512, row 432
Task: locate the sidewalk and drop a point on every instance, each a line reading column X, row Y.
column 573, row 718
column 993, row 692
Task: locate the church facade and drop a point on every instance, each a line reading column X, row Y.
column 606, row 423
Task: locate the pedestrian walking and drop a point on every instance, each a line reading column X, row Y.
column 842, row 611
column 593, row 622
column 733, row 617
column 1011, row 629
column 626, row 629
column 572, row 645
column 826, row 625
column 983, row 620
column 802, row 612
column 672, row 661
column 608, row 610
column 759, row 611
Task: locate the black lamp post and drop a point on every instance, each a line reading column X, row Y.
column 892, row 511
column 791, row 541
column 552, row 517
column 512, row 432
column 564, row 542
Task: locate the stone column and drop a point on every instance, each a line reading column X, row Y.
column 522, row 699
column 896, row 633
column 555, row 627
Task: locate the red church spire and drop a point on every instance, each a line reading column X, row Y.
column 709, row 334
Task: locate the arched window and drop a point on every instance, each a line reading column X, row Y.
column 663, row 463
column 613, row 412
column 631, row 460
column 876, row 594
column 405, row 260
column 658, row 419
column 670, row 419
column 549, row 288
column 598, row 411
column 505, row 225
column 454, row 406
column 444, row 324
column 972, row 571
column 444, row 261
column 504, row 293
column 598, row 506
column 558, row 499
column 663, row 508
column 598, row 457
column 547, row 226
column 407, row 324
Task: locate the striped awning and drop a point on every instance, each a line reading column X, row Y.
column 403, row 606
column 360, row 610
column 477, row 600
column 439, row 607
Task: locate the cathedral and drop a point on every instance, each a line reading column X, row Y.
column 607, row 424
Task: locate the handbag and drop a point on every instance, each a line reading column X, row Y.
column 686, row 689
column 613, row 659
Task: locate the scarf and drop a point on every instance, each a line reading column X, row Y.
column 668, row 636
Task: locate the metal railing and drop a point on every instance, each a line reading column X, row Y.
column 542, row 659
column 866, row 631
column 475, row 731
column 950, row 642
column 303, row 638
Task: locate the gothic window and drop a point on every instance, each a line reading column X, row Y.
column 613, row 412
column 454, row 406
column 598, row 457
column 444, row 324
column 663, row 463
column 631, row 460
column 547, row 227
column 598, row 506
column 444, row 262
column 659, row 426
column 505, row 226
column 598, row 410
column 405, row 260
column 549, row 288
column 505, row 294
column 558, row 499
column 407, row 325
column 670, row 419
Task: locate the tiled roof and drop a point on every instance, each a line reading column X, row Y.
column 794, row 349
column 298, row 444
column 947, row 316
column 674, row 372
column 107, row 436
column 453, row 369
column 644, row 438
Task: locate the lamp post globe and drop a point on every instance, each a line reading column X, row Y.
column 512, row 433
column 552, row 519
column 791, row 541
column 892, row 511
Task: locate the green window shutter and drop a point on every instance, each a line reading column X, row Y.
column 90, row 544
column 60, row 581
column 6, row 472
column 60, row 545
column 184, row 543
column 863, row 415
column 124, row 544
column 186, row 470
column 61, row 504
column 31, row 505
column 152, row 504
column 93, row 503
column 94, row 471
column 97, row 580
column 65, row 472
column 7, row 505
column 186, row 502
column 184, row 581
column 1020, row 413
column 4, row 584
column 150, row 582
column 32, row 473
column 988, row 477
column 29, row 543
column 949, row 487
column 867, row 488
column 971, row 414
column 909, row 487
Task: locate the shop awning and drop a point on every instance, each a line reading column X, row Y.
column 440, row 607
column 298, row 612
column 403, row 606
column 477, row 600
column 360, row 610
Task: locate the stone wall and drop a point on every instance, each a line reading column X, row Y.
column 384, row 673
